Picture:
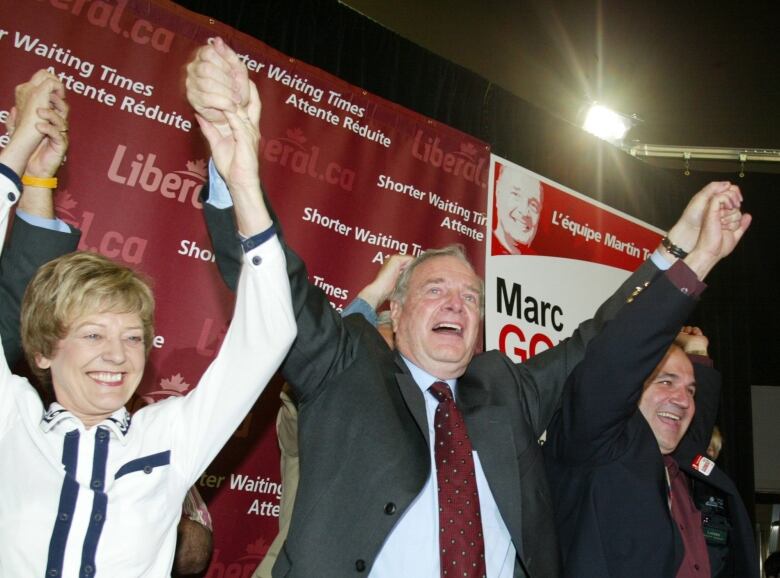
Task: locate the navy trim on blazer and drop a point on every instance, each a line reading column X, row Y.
column 11, row 174
column 146, row 464
column 68, row 496
column 99, row 504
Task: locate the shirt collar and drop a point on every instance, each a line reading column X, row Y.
column 424, row 380
column 118, row 423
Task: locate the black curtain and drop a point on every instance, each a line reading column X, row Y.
column 738, row 311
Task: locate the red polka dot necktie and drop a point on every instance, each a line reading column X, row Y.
column 461, row 546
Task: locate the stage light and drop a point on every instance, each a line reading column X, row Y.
column 606, row 124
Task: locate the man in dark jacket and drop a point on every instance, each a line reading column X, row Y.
column 625, row 453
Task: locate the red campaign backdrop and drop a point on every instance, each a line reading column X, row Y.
column 352, row 177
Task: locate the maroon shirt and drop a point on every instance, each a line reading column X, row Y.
column 696, row 562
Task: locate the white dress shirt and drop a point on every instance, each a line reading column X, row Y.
column 105, row 501
column 412, row 548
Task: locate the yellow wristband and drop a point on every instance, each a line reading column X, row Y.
column 47, row 183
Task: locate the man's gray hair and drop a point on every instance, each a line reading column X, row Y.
column 455, row 250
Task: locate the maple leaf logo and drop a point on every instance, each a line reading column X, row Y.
column 468, row 149
column 257, row 548
column 175, row 386
column 64, row 203
column 198, row 167
column 296, row 135
column 175, row 383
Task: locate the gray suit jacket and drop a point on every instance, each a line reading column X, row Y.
column 363, row 430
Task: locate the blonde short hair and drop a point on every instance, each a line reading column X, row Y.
column 73, row 285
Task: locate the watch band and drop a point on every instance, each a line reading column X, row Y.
column 678, row 252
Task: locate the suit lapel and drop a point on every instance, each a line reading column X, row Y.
column 413, row 397
column 492, row 436
column 716, row 478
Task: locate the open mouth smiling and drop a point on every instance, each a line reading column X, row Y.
column 668, row 416
column 448, row 329
column 106, row 377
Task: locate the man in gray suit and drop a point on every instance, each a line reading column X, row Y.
column 375, row 488
column 366, row 303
